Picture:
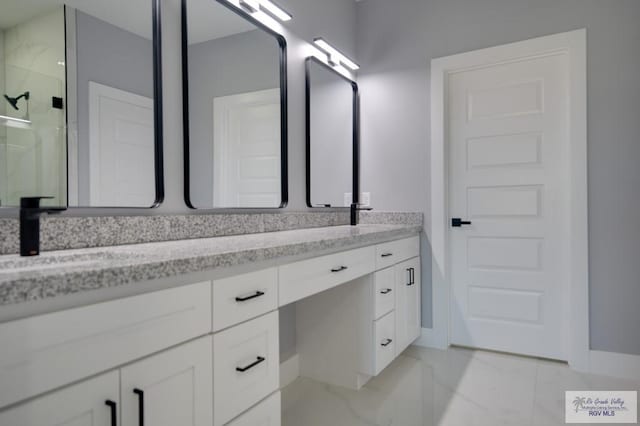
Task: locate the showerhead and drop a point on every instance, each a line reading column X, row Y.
column 14, row 101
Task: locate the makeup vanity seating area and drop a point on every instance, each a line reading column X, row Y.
column 187, row 332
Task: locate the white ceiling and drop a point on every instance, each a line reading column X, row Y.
column 207, row 19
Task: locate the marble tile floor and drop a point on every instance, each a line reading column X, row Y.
column 456, row 387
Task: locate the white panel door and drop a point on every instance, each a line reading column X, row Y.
column 172, row 388
column 508, row 137
column 121, row 148
column 90, row 403
column 408, row 302
column 247, row 150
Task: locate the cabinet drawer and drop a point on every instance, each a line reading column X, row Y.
column 267, row 413
column 243, row 297
column 385, row 292
column 388, row 254
column 246, row 366
column 308, row 277
column 385, row 342
column 45, row 352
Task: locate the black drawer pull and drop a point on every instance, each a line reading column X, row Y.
column 140, row 394
column 340, row 269
column 250, row 366
column 113, row 408
column 386, row 291
column 386, row 343
column 253, row 296
column 386, row 255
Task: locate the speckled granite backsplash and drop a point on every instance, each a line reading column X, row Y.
column 63, row 233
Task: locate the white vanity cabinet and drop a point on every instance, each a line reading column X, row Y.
column 207, row 353
column 94, row 402
column 171, row 388
column 347, row 334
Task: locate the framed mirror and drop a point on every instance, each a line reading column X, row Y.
column 332, row 136
column 80, row 112
column 235, row 108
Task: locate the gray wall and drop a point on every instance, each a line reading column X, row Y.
column 231, row 65
column 396, row 41
column 114, row 57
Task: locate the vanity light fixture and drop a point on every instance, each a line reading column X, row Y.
column 276, row 10
column 259, row 6
column 334, row 56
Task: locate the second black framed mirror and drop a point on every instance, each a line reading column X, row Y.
column 235, row 108
column 332, row 136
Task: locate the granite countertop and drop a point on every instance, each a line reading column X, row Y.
column 59, row 273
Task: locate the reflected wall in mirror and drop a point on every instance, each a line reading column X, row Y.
column 79, row 103
column 235, row 109
column 332, row 136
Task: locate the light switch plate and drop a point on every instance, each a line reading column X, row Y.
column 365, row 199
column 348, row 199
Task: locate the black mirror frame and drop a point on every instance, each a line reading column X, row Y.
column 157, row 102
column 284, row 126
column 356, row 130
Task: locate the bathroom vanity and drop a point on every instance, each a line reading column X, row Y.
column 187, row 332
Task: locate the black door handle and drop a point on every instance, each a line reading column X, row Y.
column 386, row 255
column 140, row 394
column 114, row 412
column 244, row 299
column 456, row 222
column 250, row 366
column 386, row 343
column 386, row 291
column 411, row 277
column 340, row 269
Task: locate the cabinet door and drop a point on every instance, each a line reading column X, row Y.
column 172, row 388
column 408, row 318
column 89, row 403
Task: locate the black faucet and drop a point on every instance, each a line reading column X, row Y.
column 355, row 208
column 30, row 212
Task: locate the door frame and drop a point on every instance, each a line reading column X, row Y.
column 573, row 45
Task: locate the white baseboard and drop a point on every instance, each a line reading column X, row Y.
column 614, row 364
column 429, row 338
column 289, row 371
column 600, row 362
